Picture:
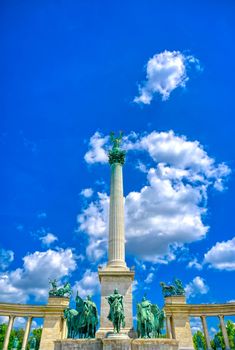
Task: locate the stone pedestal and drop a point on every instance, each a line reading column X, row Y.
column 53, row 326
column 111, row 278
column 78, row 344
column 179, row 323
column 116, row 343
column 155, row 344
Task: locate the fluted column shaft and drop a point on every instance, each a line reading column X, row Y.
column 8, row 332
column 26, row 333
column 205, row 330
column 116, row 253
column 224, row 331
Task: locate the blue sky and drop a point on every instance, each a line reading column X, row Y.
column 75, row 69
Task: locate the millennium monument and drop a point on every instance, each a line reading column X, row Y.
column 116, row 278
column 82, row 328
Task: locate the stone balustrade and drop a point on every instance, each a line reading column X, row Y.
column 178, row 314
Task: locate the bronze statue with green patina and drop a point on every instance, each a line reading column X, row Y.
column 173, row 289
column 55, row 291
column 83, row 321
column 116, row 154
column 116, row 313
column 150, row 319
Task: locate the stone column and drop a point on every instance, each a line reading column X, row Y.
column 116, row 275
column 116, row 252
column 224, row 331
column 8, row 332
column 65, row 330
column 26, row 332
column 172, row 325
column 168, row 327
column 205, row 331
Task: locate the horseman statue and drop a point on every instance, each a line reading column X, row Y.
column 116, row 313
column 83, row 321
column 173, row 289
column 150, row 319
column 64, row 291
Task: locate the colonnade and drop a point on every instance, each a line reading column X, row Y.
column 178, row 315
column 9, row 329
column 170, row 329
column 54, row 324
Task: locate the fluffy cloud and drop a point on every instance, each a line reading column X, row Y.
column 93, row 221
column 87, row 192
column 196, row 286
column 48, row 239
column 222, row 255
column 165, row 72
column 6, row 257
column 96, row 153
column 168, row 211
column 88, row 285
column 32, row 279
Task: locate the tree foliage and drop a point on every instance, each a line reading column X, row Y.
column 199, row 337
column 19, row 333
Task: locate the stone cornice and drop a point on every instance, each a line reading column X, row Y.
column 198, row 310
column 21, row 310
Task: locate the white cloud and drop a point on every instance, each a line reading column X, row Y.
column 87, row 192
column 149, row 278
column 93, row 221
column 196, row 324
column 48, row 239
column 88, row 284
column 164, row 73
column 96, row 153
column 196, row 286
column 222, row 255
column 194, row 264
column 168, row 211
column 6, row 257
column 33, row 278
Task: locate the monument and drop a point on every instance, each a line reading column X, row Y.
column 116, row 275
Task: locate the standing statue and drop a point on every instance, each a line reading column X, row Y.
column 33, row 343
column 64, row 291
column 174, row 289
column 116, row 313
column 217, row 342
column 145, row 319
column 15, row 343
column 116, row 155
column 150, row 319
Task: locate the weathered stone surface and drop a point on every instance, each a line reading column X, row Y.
column 116, row 344
column 154, row 344
column 54, row 324
column 78, row 344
